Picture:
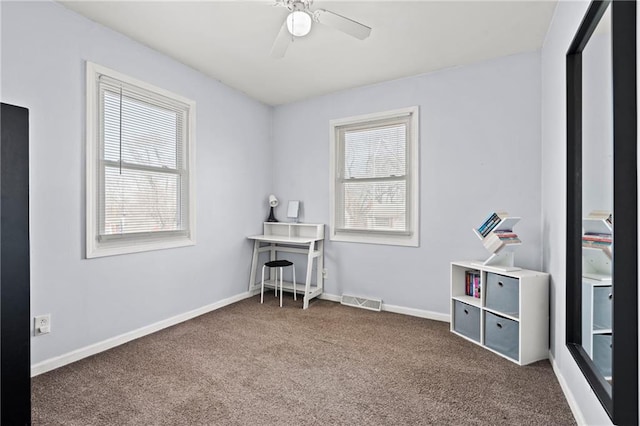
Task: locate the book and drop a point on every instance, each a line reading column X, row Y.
column 472, row 283
column 486, row 221
column 603, row 238
column 505, row 234
column 503, row 237
column 586, row 243
column 493, row 243
column 491, row 222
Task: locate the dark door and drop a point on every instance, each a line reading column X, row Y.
column 15, row 357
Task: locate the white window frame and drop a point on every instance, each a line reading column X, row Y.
column 411, row 238
column 121, row 244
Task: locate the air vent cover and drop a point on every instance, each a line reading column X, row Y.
column 362, row 302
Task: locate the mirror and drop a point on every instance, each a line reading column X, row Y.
column 602, row 284
column 597, row 198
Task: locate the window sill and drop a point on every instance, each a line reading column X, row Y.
column 126, row 247
column 389, row 240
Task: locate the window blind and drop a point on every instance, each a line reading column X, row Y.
column 372, row 180
column 143, row 162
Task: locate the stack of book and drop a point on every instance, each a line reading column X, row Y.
column 472, row 283
column 490, row 223
column 496, row 231
column 495, row 241
column 598, row 231
column 602, row 241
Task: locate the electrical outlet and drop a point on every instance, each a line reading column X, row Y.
column 42, row 324
column 325, row 273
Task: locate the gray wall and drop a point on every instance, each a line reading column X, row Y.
column 43, row 51
column 479, row 152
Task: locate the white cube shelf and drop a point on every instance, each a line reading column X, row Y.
column 511, row 316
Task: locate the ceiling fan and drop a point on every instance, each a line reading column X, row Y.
column 298, row 24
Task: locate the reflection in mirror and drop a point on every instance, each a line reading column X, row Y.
column 597, row 198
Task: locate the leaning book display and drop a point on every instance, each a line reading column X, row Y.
column 597, row 245
column 498, row 237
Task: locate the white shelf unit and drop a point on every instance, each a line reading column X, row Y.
column 597, row 302
column 294, row 230
column 504, row 255
column 597, row 297
column 511, row 317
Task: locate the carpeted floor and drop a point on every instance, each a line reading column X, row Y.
column 252, row 364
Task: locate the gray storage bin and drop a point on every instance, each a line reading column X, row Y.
column 502, row 294
column 602, row 302
column 466, row 320
column 502, row 335
column 602, row 353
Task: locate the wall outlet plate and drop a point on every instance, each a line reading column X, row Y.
column 42, row 324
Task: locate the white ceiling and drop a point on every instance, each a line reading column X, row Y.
column 231, row 40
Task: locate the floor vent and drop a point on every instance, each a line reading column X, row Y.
column 361, row 302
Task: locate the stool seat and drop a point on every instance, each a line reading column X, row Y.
column 278, row 263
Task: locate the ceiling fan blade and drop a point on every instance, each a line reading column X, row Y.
column 339, row 22
column 281, row 43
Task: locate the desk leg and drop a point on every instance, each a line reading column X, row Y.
column 307, row 286
column 273, row 272
column 320, row 271
column 254, row 264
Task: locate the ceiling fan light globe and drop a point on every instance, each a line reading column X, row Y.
column 299, row 23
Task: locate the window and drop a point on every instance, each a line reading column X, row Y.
column 374, row 178
column 140, row 165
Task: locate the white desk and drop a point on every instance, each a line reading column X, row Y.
column 304, row 238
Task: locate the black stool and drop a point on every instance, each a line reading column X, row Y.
column 278, row 264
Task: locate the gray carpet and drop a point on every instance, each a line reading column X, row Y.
column 252, row 364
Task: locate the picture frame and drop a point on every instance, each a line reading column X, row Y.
column 293, row 210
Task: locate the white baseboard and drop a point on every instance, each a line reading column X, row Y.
column 78, row 354
column 436, row 316
column 330, row 297
column 573, row 405
column 398, row 309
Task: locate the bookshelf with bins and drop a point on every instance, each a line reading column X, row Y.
column 508, row 315
column 597, row 289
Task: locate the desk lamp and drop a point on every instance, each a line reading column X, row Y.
column 273, row 202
